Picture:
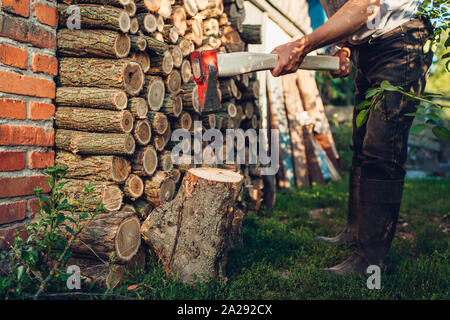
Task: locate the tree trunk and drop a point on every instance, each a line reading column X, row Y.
column 134, row 187
column 102, row 73
column 159, row 188
column 93, row 120
column 93, row 43
column 145, row 161
column 115, row 233
column 98, row 168
column 94, row 143
column 191, row 234
column 113, row 99
column 96, row 16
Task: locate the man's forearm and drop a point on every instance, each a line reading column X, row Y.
column 347, row 20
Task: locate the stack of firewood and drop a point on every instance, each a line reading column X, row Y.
column 124, row 85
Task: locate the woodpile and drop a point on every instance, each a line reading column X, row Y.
column 124, row 85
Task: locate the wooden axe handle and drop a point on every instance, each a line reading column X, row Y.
column 231, row 64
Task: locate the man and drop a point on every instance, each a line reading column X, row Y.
column 384, row 42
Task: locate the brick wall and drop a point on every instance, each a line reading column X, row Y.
column 27, row 69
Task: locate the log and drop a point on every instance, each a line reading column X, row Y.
column 186, row 46
column 184, row 121
column 143, row 59
column 186, row 71
column 178, row 19
column 201, row 4
column 177, row 56
column 138, row 43
column 159, row 188
column 231, row 40
column 190, row 6
column 160, row 24
column 175, row 175
column 158, row 121
column 166, row 9
column 93, row 120
column 170, row 33
column 211, row 27
column 131, row 9
column 138, row 108
column 143, row 208
column 190, row 99
column 134, row 187
column 102, row 73
column 98, row 168
column 156, row 46
column 94, row 143
column 112, row 99
column 191, row 234
column 249, row 109
column 116, row 233
column 158, row 36
column 156, row 91
column 145, row 161
column 236, row 23
column 149, row 5
column 161, row 65
column 159, row 142
column 167, row 135
column 214, row 9
column 142, row 132
column 194, row 31
column 93, row 43
column 165, row 161
column 103, row 192
column 96, row 16
column 116, row 3
column 253, row 92
column 173, row 106
column 173, row 82
column 148, row 22
column 251, row 33
column 134, row 26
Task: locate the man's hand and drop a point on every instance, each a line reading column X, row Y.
column 290, row 56
column 345, row 66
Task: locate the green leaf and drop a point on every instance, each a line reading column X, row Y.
column 93, row 232
column 386, row 85
column 442, row 133
column 371, row 92
column 447, row 55
column 20, row 271
column 70, row 230
column 361, row 118
column 363, row 105
column 418, row 128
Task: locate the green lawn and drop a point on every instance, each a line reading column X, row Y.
column 281, row 259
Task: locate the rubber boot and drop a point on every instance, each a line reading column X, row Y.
column 377, row 220
column 349, row 233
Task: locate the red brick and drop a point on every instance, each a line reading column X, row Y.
column 21, row 186
column 12, row 211
column 11, row 82
column 41, row 111
column 12, row 160
column 19, row 7
column 45, row 14
column 14, row 57
column 26, row 31
column 33, row 205
column 40, row 63
column 26, row 136
column 8, row 235
column 13, row 109
column 40, row 160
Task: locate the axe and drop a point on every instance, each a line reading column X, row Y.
column 208, row 66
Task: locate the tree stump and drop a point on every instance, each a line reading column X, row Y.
column 191, row 234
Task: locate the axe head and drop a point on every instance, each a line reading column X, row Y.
column 205, row 71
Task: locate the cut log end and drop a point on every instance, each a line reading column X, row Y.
column 186, row 71
column 150, row 160
column 122, row 45
column 155, row 93
column 142, row 132
column 133, row 78
column 112, row 198
column 128, row 238
column 124, row 22
column 120, row 100
column 173, row 82
column 120, row 169
column 134, row 26
column 216, row 174
column 127, row 121
column 134, row 187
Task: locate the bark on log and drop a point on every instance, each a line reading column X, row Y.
column 134, row 187
column 177, row 56
column 173, row 82
column 251, row 33
column 191, row 234
column 98, row 168
column 184, row 121
column 173, row 106
column 170, row 33
column 104, row 192
column 112, row 99
column 94, row 143
column 156, row 46
column 138, row 43
column 165, row 161
column 97, row 16
column 148, row 22
column 143, row 59
column 138, row 108
column 102, row 73
column 143, row 208
column 93, row 120
column 145, row 161
column 156, row 91
column 162, row 65
column 231, row 40
column 115, row 3
column 115, row 233
column 159, row 189
column 93, row 43
column 142, row 132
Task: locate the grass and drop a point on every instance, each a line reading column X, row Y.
column 280, row 258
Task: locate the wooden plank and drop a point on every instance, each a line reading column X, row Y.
column 294, row 106
column 276, row 99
